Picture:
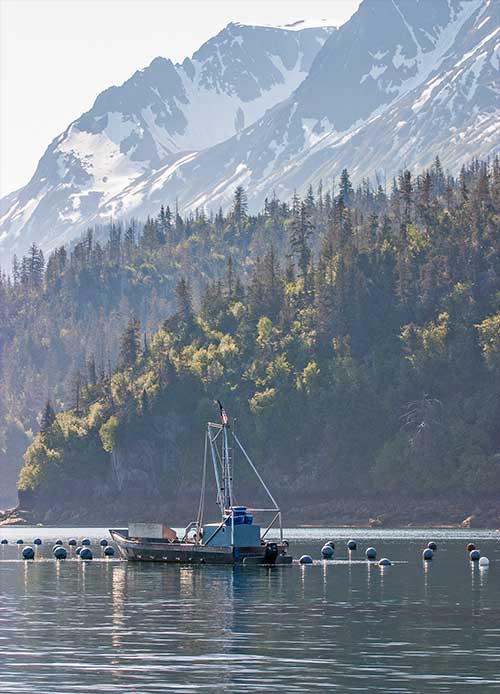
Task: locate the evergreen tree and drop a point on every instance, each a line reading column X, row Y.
column 16, row 271
column 182, row 325
column 47, row 418
column 240, row 207
column 77, row 382
column 130, row 344
column 129, row 241
column 345, row 189
column 299, row 241
column 144, row 402
column 388, row 297
column 91, row 370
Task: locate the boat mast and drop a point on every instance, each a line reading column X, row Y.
column 216, row 464
column 221, row 460
column 228, row 470
column 223, row 469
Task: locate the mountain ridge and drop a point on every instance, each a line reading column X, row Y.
column 296, row 165
column 163, row 110
column 423, row 81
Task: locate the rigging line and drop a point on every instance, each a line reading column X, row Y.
column 218, row 456
column 229, row 468
column 203, row 484
column 256, row 472
column 214, row 439
column 213, row 447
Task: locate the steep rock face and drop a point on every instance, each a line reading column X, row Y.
column 144, row 124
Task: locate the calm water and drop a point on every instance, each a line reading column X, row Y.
column 110, row 626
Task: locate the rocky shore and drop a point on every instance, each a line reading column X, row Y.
column 459, row 511
column 16, row 516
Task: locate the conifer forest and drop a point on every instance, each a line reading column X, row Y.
column 352, row 333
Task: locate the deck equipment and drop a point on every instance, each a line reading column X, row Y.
column 234, row 538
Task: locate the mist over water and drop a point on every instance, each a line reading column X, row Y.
column 113, row 626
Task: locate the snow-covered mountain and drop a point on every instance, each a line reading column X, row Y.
column 401, row 82
column 155, row 119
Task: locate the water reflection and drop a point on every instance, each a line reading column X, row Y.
column 427, row 570
column 118, row 577
column 344, row 625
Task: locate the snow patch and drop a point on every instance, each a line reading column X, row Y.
column 486, row 19
column 164, row 143
column 211, row 114
column 427, row 92
column 314, row 130
column 166, row 173
column 478, row 47
column 375, row 72
column 110, row 170
column 301, row 24
column 399, row 58
column 475, row 70
column 16, row 217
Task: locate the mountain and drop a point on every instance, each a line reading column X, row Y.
column 423, row 81
column 399, row 83
column 158, row 118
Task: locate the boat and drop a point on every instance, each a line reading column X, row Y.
column 234, row 539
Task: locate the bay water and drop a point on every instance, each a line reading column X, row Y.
column 346, row 625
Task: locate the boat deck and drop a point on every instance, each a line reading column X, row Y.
column 151, row 549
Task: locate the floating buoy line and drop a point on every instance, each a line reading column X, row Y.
column 59, row 552
column 84, row 552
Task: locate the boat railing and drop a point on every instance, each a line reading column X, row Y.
column 189, row 527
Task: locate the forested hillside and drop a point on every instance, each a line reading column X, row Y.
column 355, row 335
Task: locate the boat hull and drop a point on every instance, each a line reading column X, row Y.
column 152, row 550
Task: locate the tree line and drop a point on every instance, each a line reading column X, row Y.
column 357, row 327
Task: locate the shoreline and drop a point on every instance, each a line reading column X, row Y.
column 458, row 511
column 22, row 522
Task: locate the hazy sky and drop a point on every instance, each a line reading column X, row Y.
column 57, row 55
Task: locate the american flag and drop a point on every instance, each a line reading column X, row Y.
column 223, row 414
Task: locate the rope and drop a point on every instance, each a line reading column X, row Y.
column 201, row 507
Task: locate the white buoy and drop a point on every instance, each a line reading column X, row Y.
column 484, row 561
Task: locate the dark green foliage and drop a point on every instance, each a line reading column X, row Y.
column 345, row 187
column 47, row 419
column 130, row 344
column 240, row 207
column 358, row 332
